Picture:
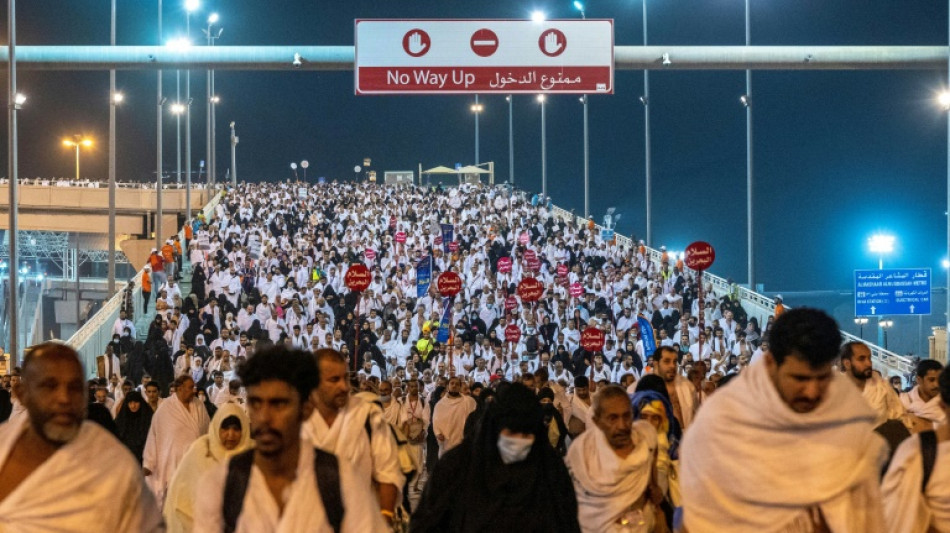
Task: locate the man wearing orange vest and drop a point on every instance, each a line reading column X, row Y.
column 146, row 288
column 157, row 265
column 168, row 256
column 779, row 306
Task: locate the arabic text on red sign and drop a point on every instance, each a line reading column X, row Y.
column 357, row 277
column 556, row 79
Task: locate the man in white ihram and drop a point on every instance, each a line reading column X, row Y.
column 177, row 423
column 787, row 447
column 448, row 418
column 612, row 467
column 59, row 473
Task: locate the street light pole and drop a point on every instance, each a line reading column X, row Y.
column 477, row 109
column 209, row 131
column 511, row 143
column 234, row 142
column 645, row 99
column 158, row 145
column 580, row 7
column 13, row 105
column 749, row 157
column 544, row 154
column 189, row 7
column 112, row 102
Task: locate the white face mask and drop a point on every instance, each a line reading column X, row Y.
column 514, row 449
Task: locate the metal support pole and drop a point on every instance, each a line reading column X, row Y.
column 188, row 128
column 477, row 112
column 749, row 157
column 77, row 161
column 511, row 142
column 12, row 170
column 646, row 136
column 586, row 163
column 111, row 274
column 947, row 316
column 234, row 142
column 208, row 129
column 76, row 267
column 213, row 157
column 158, row 147
column 178, row 128
column 544, row 158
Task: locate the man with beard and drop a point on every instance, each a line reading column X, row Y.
column 355, row 430
column 35, row 495
column 448, row 418
column 682, row 393
column 923, row 401
column 856, row 364
column 788, row 445
column 283, row 483
column 177, row 423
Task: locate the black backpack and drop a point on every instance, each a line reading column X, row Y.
column 326, row 470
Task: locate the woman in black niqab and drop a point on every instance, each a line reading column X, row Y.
column 472, row 489
column 132, row 427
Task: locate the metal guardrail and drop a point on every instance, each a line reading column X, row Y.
column 92, row 337
column 761, row 306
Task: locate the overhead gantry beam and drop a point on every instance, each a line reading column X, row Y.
column 341, row 58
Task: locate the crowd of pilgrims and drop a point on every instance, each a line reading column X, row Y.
column 453, row 414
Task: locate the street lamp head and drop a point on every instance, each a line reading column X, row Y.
column 508, row 98
column 19, row 99
column 86, row 142
column 944, row 100
column 945, row 263
column 178, row 108
column 881, row 244
column 67, row 142
column 117, row 98
column 213, row 18
column 538, row 16
column 191, row 5
column 215, row 99
column 304, row 164
column 578, row 6
column 541, row 98
column 293, row 166
column 477, row 108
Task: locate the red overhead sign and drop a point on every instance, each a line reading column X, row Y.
column 357, row 277
column 484, row 56
column 700, row 255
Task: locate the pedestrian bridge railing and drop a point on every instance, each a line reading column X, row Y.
column 760, row 306
column 90, row 340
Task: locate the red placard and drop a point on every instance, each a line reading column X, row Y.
column 449, row 284
column 562, row 270
column 530, row 255
column 530, row 290
column 504, row 265
column 592, row 339
column 577, row 290
column 524, row 238
column 533, row 264
column 370, row 254
column 400, row 237
column 700, row 255
column 357, row 277
column 511, row 303
column 454, row 246
column 512, row 333
column 438, row 239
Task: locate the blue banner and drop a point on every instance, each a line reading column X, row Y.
column 646, row 335
column 445, row 322
column 423, row 276
column 448, row 235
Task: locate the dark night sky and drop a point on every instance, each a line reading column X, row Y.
column 839, row 155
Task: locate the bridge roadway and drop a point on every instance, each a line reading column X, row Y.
column 96, row 333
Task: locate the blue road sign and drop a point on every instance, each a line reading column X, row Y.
column 892, row 291
column 606, row 234
column 458, row 166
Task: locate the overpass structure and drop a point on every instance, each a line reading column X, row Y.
column 341, row 58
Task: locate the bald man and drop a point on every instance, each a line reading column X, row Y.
column 102, row 484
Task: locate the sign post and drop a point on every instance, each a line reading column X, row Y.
column 699, row 256
column 357, row 279
column 892, row 291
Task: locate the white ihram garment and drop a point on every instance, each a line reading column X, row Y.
column 174, row 427
column 906, row 509
column 751, row 462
